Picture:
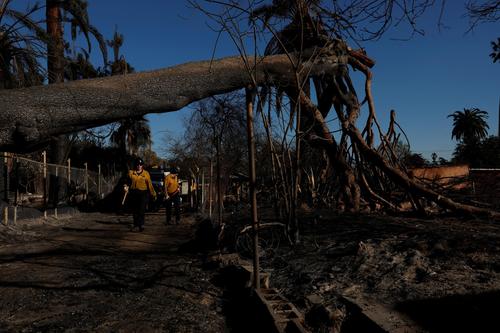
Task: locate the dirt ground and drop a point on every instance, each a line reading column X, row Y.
column 408, row 274
column 91, row 274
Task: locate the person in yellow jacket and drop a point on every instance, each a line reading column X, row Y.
column 172, row 195
column 140, row 184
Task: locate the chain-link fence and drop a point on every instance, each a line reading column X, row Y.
column 486, row 186
column 37, row 186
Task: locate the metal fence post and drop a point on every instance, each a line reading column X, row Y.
column 44, row 156
column 56, row 203
column 5, row 175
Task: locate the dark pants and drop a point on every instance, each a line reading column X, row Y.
column 139, row 202
column 176, row 200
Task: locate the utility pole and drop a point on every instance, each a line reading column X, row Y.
column 250, row 95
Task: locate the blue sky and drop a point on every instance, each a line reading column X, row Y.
column 431, row 76
column 423, row 79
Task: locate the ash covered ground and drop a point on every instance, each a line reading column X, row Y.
column 413, row 275
column 91, row 274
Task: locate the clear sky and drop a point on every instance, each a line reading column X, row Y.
column 423, row 79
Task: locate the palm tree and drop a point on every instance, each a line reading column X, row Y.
column 132, row 134
column 56, row 62
column 75, row 13
column 80, row 67
column 304, row 30
column 469, row 125
column 21, row 47
column 119, row 64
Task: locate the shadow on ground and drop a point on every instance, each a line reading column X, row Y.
column 457, row 313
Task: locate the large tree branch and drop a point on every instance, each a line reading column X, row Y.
column 408, row 184
column 31, row 116
column 376, row 159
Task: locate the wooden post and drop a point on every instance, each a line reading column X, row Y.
column 210, row 190
column 190, row 192
column 203, row 190
column 6, row 215
column 219, row 187
column 16, row 186
column 250, row 94
column 86, row 177
column 297, row 179
column 99, row 181
column 44, row 156
column 197, row 192
column 6, row 178
column 69, row 172
column 68, row 187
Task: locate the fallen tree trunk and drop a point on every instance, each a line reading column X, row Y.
column 30, row 117
column 377, row 160
column 408, row 184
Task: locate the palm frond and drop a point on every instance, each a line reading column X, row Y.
column 495, row 55
column 102, row 43
column 27, row 22
column 79, row 16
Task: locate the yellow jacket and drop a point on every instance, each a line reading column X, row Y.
column 171, row 184
column 141, row 181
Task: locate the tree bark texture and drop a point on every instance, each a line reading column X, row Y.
column 55, row 69
column 55, row 48
column 29, row 117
